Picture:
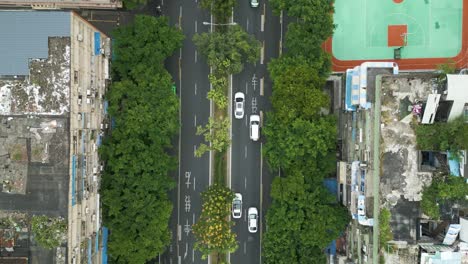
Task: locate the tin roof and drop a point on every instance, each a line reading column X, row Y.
column 24, row 35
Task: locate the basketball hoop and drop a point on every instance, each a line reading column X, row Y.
column 404, row 36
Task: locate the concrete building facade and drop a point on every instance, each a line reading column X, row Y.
column 54, row 72
column 65, row 4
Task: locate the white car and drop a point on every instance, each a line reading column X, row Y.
column 237, row 206
column 254, row 3
column 254, row 127
column 253, row 219
column 239, row 105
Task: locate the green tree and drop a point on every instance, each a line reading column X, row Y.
column 132, row 4
column 302, row 220
column 218, row 92
column 49, row 232
column 221, row 10
column 144, row 45
column 385, row 233
column 213, row 230
column 449, row 189
column 297, row 92
column 302, row 144
column 217, row 133
column 135, row 182
column 231, row 48
column 452, row 136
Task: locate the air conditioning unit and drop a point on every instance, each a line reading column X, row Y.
column 87, row 210
column 79, row 37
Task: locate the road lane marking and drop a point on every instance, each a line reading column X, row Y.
column 186, row 250
column 193, row 255
column 246, row 88
column 195, row 120
column 245, row 182
column 194, row 183
column 262, row 54
column 262, row 26
column 247, row 25
column 180, row 53
column 179, row 232
column 195, row 88
column 261, row 195
column 196, row 56
column 180, row 17
column 194, row 150
column 193, row 219
column 245, row 248
column 281, row 34
column 245, row 120
column 262, row 83
column 245, row 152
column 196, row 26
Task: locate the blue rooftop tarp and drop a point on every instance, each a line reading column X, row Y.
column 331, row 185
column 106, row 105
column 90, row 254
column 73, row 180
column 99, row 140
column 105, row 234
column 96, row 243
column 331, row 249
column 454, row 164
column 97, row 43
column 348, row 104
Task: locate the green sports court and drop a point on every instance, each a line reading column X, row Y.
column 373, row 29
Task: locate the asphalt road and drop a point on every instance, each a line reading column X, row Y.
column 190, row 72
column 249, row 173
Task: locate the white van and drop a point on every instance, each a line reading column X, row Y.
column 254, row 127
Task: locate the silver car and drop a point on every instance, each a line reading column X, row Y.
column 254, row 3
column 239, row 105
column 253, row 219
column 237, row 206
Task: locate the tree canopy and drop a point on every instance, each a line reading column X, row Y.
column 452, row 136
column 213, row 230
column 300, row 141
column 49, row 232
column 228, row 50
column 148, row 40
column 221, row 10
column 136, row 181
column 449, row 189
column 298, row 89
column 302, row 221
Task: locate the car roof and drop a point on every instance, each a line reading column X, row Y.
column 253, row 210
column 239, row 94
column 255, row 118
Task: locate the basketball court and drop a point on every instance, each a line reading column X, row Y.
column 411, row 32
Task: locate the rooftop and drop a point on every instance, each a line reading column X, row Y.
column 47, row 89
column 25, row 36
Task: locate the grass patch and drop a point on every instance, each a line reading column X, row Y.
column 385, row 234
column 220, row 168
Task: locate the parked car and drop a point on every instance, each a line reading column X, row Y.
column 254, row 3
column 253, row 219
column 239, row 105
column 237, row 206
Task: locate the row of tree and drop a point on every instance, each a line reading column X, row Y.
column 226, row 49
column 303, row 218
column 144, row 109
